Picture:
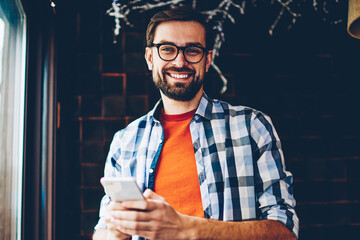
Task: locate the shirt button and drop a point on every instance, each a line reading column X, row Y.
column 151, row 170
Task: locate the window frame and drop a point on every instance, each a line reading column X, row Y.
column 40, row 123
column 12, row 114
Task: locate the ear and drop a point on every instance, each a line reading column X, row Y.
column 209, row 59
column 149, row 58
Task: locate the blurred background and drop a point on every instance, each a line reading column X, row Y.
column 81, row 87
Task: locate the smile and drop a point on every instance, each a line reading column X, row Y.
column 180, row 76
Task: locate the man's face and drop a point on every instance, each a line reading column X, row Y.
column 178, row 79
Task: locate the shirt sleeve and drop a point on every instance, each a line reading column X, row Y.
column 273, row 184
column 112, row 169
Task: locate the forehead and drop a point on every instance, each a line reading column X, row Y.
column 180, row 33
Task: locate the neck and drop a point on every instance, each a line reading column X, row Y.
column 172, row 106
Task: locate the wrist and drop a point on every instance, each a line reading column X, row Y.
column 191, row 227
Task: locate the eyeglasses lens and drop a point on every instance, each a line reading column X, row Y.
column 191, row 53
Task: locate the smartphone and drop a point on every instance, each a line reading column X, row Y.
column 121, row 188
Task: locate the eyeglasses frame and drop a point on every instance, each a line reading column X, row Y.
column 158, row 45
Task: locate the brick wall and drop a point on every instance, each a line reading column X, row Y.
column 305, row 79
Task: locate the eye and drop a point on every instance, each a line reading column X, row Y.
column 167, row 49
column 193, row 51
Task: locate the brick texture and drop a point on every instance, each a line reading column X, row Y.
column 304, row 78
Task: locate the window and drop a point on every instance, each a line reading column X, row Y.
column 12, row 102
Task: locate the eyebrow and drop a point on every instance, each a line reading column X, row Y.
column 187, row 44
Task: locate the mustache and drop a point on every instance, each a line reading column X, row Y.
column 175, row 69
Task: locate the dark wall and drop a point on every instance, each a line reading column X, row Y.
column 304, row 78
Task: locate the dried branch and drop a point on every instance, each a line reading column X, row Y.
column 217, row 16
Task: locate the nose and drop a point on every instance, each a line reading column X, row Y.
column 179, row 61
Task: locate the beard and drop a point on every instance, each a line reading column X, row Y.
column 178, row 91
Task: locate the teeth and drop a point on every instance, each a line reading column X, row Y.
column 179, row 75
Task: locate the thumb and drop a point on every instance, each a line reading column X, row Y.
column 149, row 194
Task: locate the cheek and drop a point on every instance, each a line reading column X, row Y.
column 158, row 67
column 157, row 71
column 202, row 69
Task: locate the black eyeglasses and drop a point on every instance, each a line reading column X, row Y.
column 168, row 52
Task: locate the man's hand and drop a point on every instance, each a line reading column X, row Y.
column 113, row 232
column 154, row 218
column 151, row 219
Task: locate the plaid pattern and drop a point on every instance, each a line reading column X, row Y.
column 239, row 161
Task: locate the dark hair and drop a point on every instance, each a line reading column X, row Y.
column 180, row 13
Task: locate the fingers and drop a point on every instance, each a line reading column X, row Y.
column 126, row 205
column 130, row 211
column 153, row 201
column 124, row 225
column 114, row 205
column 148, row 230
column 138, row 204
column 135, row 219
column 152, row 218
column 131, row 215
column 115, row 231
column 148, row 194
column 147, row 205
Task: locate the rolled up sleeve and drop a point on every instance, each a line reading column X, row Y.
column 273, row 184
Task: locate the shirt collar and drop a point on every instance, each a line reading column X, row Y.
column 205, row 107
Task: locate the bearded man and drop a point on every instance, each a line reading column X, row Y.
column 208, row 170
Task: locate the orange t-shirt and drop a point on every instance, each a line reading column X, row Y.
column 176, row 176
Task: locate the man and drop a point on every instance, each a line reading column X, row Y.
column 209, row 170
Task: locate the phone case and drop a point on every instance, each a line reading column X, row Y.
column 122, row 189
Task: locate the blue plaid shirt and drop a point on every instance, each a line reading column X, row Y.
column 239, row 162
